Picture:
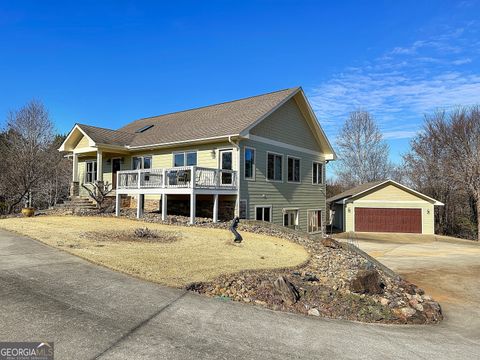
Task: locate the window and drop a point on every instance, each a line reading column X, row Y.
column 263, row 213
column 185, row 158
column 314, row 221
column 293, row 169
column 249, row 163
column 243, row 209
column 317, row 177
column 274, row 167
column 290, row 218
column 142, row 162
column 91, row 173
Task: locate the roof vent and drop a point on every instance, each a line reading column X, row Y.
column 144, row 128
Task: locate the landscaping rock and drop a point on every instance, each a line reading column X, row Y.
column 286, row 290
column 331, row 243
column 368, row 282
column 313, row 312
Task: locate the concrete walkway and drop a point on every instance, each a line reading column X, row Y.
column 92, row 312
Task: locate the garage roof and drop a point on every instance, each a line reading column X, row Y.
column 361, row 189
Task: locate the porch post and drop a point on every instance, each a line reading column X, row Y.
column 164, row 207
column 75, row 168
column 140, row 203
column 99, row 165
column 117, row 204
column 215, row 208
column 193, row 207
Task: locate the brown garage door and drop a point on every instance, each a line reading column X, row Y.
column 388, row 220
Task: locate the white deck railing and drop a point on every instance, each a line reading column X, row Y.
column 177, row 177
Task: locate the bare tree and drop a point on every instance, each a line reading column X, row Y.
column 99, row 192
column 27, row 158
column 363, row 154
column 444, row 162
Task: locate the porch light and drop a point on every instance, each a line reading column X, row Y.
column 109, row 161
column 213, row 153
column 428, row 211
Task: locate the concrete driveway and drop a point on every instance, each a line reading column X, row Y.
column 447, row 268
column 91, row 312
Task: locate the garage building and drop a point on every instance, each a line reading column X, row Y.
column 383, row 206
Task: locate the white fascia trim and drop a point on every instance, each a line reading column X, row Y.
column 435, row 202
column 173, row 143
column 284, row 145
column 319, row 129
column 390, row 201
column 76, row 127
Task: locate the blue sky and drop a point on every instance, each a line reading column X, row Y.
column 110, row 62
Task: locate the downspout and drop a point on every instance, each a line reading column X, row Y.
column 237, row 146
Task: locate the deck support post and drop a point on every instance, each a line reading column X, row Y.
column 164, row 207
column 140, row 204
column 193, row 208
column 117, row 204
column 215, row 208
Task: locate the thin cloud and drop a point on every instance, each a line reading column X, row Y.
column 403, row 85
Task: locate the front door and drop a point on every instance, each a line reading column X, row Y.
column 115, row 168
column 226, row 163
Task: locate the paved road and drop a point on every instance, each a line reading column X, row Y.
column 92, row 312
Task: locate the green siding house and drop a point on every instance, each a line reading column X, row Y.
column 259, row 158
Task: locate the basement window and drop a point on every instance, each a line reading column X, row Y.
column 144, row 128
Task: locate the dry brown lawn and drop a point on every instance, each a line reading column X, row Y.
column 199, row 254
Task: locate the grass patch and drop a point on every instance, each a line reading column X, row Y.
column 195, row 254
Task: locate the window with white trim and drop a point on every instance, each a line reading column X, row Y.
column 293, row 169
column 274, row 166
column 317, row 173
column 142, row 162
column 290, row 218
column 249, row 163
column 314, row 221
column 188, row 158
column 91, row 171
column 263, row 213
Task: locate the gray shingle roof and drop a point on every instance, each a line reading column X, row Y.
column 107, row 136
column 224, row 119
column 354, row 191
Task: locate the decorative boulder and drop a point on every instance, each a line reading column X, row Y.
column 367, row 282
column 286, row 290
column 330, row 243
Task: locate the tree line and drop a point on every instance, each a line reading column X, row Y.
column 443, row 162
column 32, row 172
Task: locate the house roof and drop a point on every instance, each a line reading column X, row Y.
column 354, row 191
column 220, row 121
column 360, row 189
column 225, row 119
column 107, row 136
